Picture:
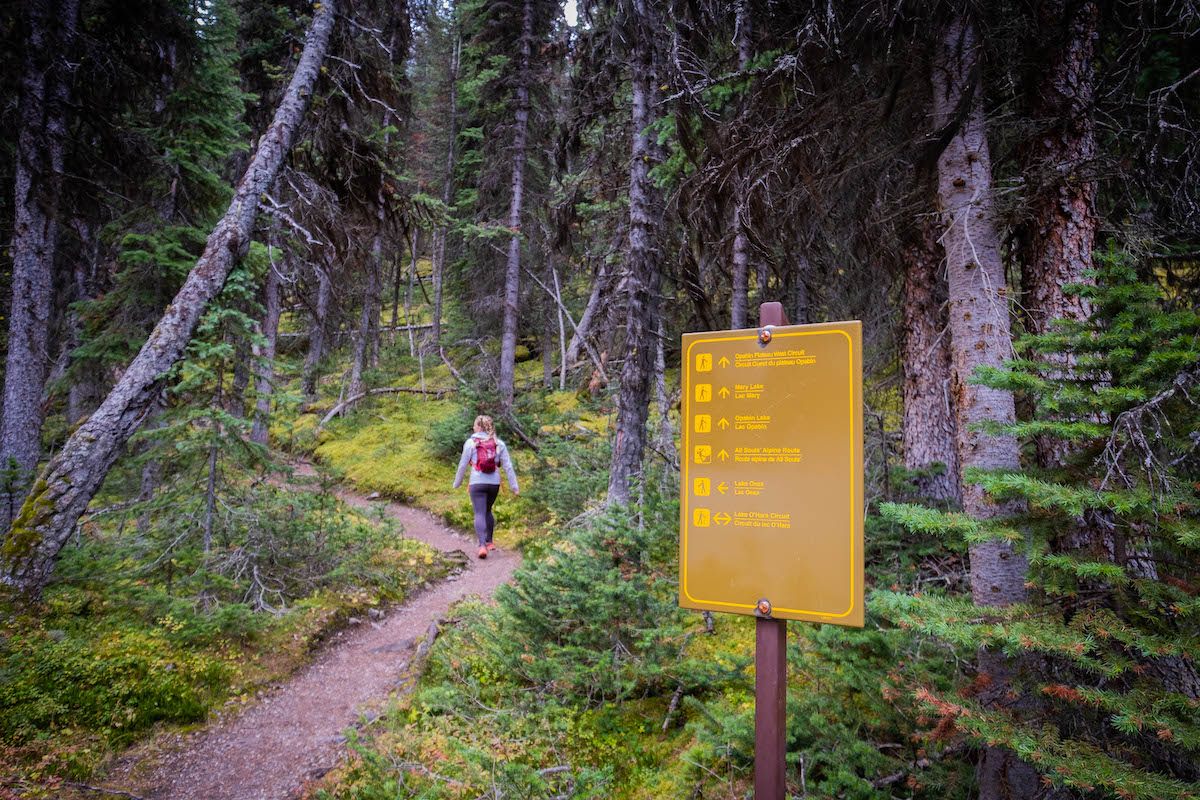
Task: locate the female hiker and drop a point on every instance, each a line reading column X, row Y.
column 484, row 453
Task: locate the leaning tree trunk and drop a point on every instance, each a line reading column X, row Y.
column 981, row 337
column 37, row 187
column 929, row 433
column 265, row 365
column 1057, row 243
column 72, row 477
column 512, row 277
column 640, row 283
column 316, row 337
column 585, row 321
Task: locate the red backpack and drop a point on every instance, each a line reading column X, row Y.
column 485, row 455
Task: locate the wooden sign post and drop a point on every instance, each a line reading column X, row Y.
column 772, row 494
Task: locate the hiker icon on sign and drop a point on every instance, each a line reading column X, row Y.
column 703, row 392
column 704, row 362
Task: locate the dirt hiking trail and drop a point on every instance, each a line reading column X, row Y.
column 294, row 733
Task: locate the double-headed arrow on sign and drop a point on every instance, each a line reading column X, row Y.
column 721, row 519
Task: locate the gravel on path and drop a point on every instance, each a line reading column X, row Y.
column 295, row 733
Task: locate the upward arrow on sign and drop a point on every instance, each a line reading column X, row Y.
column 724, row 362
column 723, row 455
column 724, row 392
column 723, row 423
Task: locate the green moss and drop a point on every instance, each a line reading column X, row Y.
column 26, row 528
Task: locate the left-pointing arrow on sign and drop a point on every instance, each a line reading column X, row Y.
column 723, row 487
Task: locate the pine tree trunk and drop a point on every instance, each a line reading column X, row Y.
column 548, row 350
column 981, row 336
column 265, row 365
column 741, row 212
column 37, row 188
column 800, row 294
column 408, row 295
column 447, row 196
column 741, row 261
column 639, row 286
column 81, row 394
column 316, row 337
column 362, row 343
column 1058, row 241
column 929, row 434
column 72, row 477
column 512, row 277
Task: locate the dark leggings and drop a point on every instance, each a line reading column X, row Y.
column 482, row 497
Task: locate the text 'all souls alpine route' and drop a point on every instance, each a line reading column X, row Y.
column 772, row 493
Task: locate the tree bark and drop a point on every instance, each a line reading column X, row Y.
column 981, row 336
column 929, row 434
column 639, row 286
column 71, row 478
column 512, row 276
column 37, row 189
column 265, row 365
column 1056, row 248
column 316, row 337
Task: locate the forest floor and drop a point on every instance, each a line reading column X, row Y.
column 294, row 733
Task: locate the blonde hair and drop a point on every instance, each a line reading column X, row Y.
column 484, row 424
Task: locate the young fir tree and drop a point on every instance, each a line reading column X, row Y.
column 1105, row 696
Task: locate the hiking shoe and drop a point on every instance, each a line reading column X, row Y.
column 483, row 552
column 490, row 546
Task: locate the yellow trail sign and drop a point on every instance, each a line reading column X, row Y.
column 772, row 493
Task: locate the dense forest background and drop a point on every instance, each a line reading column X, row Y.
column 242, row 234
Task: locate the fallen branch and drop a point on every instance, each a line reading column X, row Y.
column 453, row 371
column 672, row 708
column 384, row 329
column 349, row 401
column 591, row 351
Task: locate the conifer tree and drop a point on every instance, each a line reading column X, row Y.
column 1105, row 698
